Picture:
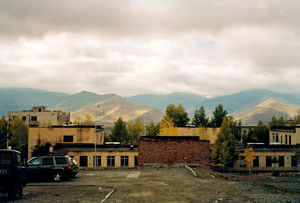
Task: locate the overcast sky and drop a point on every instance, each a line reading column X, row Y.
column 131, row 47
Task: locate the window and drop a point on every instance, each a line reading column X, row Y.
column 24, row 118
column 290, row 140
column 83, row 160
column 47, row 161
column 97, row 161
column 5, row 159
column 34, row 162
column 277, row 138
column 136, row 161
column 110, row 161
column 256, row 162
column 242, row 161
column 294, row 161
column 68, row 138
column 274, row 137
column 124, row 160
column 281, row 161
column 285, row 139
column 60, row 160
column 33, row 118
column 268, row 161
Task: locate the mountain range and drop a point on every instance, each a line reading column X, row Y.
column 248, row 106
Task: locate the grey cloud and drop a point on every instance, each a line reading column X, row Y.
column 130, row 17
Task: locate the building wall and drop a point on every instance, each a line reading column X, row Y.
column 274, row 166
column 131, row 156
column 55, row 135
column 204, row 133
column 44, row 118
column 282, row 135
column 162, row 151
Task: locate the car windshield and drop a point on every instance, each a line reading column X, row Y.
column 5, row 159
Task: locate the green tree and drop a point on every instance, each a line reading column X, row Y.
column 261, row 132
column 218, row 115
column 235, row 128
column 200, row 118
column 19, row 138
column 41, row 149
column 152, row 129
column 135, row 130
column 3, row 132
column 119, row 132
column 223, row 151
column 178, row 115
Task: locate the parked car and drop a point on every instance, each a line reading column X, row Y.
column 54, row 167
column 12, row 173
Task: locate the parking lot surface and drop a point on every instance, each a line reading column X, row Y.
column 161, row 185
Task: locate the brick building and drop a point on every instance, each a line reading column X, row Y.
column 174, row 150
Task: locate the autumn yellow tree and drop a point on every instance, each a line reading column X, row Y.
column 249, row 157
column 19, row 138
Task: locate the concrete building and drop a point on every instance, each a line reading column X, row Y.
column 38, row 116
column 209, row 134
column 64, row 134
column 284, row 135
column 107, row 155
column 271, row 158
column 174, row 150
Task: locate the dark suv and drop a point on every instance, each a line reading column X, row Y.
column 55, row 167
column 12, row 173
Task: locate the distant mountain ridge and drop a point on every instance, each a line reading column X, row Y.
column 248, row 105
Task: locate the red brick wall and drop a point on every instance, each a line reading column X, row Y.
column 164, row 151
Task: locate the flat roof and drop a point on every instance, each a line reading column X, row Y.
column 170, row 138
column 91, row 147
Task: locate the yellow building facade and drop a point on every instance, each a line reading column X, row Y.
column 64, row 134
column 209, row 134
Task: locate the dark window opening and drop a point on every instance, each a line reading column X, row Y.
column 68, row 138
column 33, row 118
column 83, row 160
column 294, row 161
column 277, row 138
column 268, row 161
column 285, row 139
column 124, row 160
column 281, row 161
column 256, row 162
column 24, row 118
column 110, row 161
column 136, row 161
column 47, row 161
column 290, row 140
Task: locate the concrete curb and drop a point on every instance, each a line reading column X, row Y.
column 191, row 170
column 108, row 195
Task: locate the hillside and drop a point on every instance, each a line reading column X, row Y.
column 110, row 109
column 265, row 110
column 18, row 99
column 161, row 101
column 80, row 100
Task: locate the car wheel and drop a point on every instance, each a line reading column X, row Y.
column 16, row 192
column 57, row 177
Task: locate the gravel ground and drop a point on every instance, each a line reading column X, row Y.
column 164, row 185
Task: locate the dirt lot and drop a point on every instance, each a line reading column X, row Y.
column 165, row 185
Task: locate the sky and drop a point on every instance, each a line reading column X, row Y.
column 131, row 47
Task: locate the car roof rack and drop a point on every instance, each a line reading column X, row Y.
column 55, row 154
